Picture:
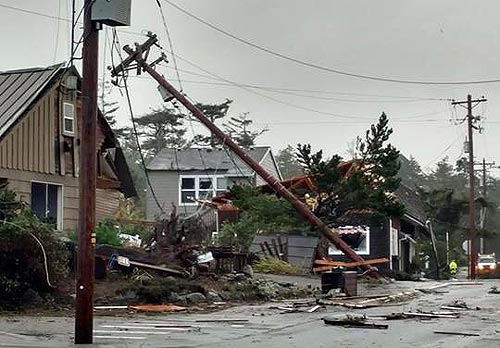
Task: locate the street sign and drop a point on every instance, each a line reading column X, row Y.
column 465, row 246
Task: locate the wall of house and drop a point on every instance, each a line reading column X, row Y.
column 35, row 149
column 107, row 203
column 379, row 245
column 166, row 188
column 269, row 165
column 20, row 181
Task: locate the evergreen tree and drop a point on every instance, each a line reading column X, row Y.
column 411, row 173
column 213, row 112
column 287, row 163
column 367, row 186
column 162, row 128
column 239, row 130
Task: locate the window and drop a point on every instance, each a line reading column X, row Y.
column 357, row 237
column 46, row 202
column 193, row 187
column 69, row 118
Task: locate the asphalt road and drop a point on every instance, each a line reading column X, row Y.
column 263, row 326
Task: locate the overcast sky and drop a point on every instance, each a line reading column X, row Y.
column 410, row 40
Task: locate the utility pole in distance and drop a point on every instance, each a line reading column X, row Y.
column 472, row 209
column 485, row 166
column 87, row 184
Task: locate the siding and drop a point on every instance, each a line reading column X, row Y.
column 268, row 163
column 28, row 146
column 107, row 203
column 166, row 188
column 20, row 181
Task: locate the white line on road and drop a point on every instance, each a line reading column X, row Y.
column 181, row 329
column 122, row 337
column 133, row 332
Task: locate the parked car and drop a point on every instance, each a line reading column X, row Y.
column 486, row 264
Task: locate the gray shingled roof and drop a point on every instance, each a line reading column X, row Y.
column 20, row 88
column 414, row 205
column 205, row 159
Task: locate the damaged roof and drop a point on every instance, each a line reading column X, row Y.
column 196, row 159
column 414, row 205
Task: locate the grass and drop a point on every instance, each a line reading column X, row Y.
column 273, row 265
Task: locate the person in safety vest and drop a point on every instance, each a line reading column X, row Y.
column 453, row 267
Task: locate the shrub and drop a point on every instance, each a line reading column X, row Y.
column 22, row 265
column 275, row 266
column 107, row 233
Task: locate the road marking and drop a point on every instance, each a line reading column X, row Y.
column 122, row 337
column 133, row 332
column 146, row 328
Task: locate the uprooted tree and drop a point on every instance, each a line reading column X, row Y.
column 342, row 190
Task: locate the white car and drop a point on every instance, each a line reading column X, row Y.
column 486, row 264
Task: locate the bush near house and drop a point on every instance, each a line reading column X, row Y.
column 24, row 273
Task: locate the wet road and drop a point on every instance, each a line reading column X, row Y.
column 261, row 326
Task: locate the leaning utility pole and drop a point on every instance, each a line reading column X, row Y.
column 137, row 57
column 87, row 176
column 472, row 209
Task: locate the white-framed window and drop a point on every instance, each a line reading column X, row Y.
column 193, row 187
column 46, row 202
column 69, row 118
column 357, row 237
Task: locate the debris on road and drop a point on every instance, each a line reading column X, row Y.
column 456, row 333
column 494, row 290
column 159, row 308
column 350, row 321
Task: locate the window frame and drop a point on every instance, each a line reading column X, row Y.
column 64, row 118
column 332, row 250
column 197, row 189
column 60, row 200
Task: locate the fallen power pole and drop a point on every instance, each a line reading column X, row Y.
column 472, row 207
column 137, row 56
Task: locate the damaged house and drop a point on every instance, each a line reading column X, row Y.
column 186, row 177
column 40, row 113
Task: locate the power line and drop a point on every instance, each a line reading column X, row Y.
column 236, row 84
column 320, row 67
column 174, row 60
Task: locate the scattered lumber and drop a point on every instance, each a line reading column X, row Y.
column 156, row 268
column 456, row 333
column 354, row 323
column 429, row 315
column 327, row 265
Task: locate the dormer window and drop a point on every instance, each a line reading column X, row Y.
column 69, row 118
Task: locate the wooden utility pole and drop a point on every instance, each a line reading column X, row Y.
column 87, row 183
column 472, row 208
column 484, row 173
column 275, row 184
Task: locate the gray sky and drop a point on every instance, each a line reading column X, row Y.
column 413, row 40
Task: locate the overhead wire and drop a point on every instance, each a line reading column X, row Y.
column 320, row 67
column 236, row 84
column 169, row 38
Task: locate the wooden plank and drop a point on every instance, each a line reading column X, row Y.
column 52, row 151
column 36, row 135
column 25, row 143
column 15, row 147
column 46, row 136
column 275, row 248
column 269, row 249
column 320, row 262
column 31, row 139
column 157, row 268
column 3, row 153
